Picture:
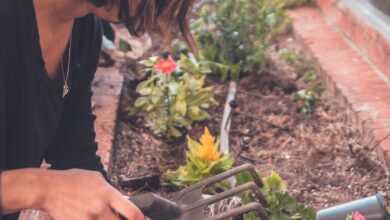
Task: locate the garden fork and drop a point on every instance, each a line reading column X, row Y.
column 190, row 205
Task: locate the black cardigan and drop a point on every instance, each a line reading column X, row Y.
column 36, row 123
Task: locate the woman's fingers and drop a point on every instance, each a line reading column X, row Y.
column 96, row 200
column 125, row 208
column 109, row 214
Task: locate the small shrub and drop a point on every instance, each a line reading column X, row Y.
column 233, row 34
column 310, row 76
column 291, row 57
column 306, row 99
column 281, row 205
column 175, row 97
column 203, row 161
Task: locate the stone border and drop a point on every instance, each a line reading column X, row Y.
column 107, row 88
column 366, row 26
column 349, row 77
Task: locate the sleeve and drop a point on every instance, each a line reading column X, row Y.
column 75, row 145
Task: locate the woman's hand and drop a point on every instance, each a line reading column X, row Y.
column 85, row 195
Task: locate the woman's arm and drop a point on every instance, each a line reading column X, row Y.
column 64, row 195
column 21, row 189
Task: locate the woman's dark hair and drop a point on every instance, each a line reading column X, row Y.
column 151, row 14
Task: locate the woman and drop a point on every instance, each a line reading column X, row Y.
column 48, row 57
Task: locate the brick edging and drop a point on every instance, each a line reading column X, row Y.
column 107, row 90
column 348, row 76
column 361, row 29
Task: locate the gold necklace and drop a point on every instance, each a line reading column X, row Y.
column 66, row 88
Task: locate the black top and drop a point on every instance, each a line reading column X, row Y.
column 36, row 123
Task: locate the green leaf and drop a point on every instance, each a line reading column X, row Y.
column 149, row 108
column 180, row 107
column 182, row 121
column 174, row 132
column 155, row 99
column 150, row 62
column 145, row 91
column 188, row 65
column 173, row 87
column 192, row 145
column 275, row 183
column 124, row 46
column 141, row 102
column 133, row 111
column 199, row 115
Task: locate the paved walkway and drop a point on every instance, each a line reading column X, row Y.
column 107, row 89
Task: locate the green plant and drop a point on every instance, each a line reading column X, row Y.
column 299, row 63
column 291, row 57
column 203, row 160
column 293, row 3
column 124, row 46
column 173, row 97
column 310, row 75
column 281, row 205
column 233, row 34
column 196, row 67
column 204, row 58
column 306, row 99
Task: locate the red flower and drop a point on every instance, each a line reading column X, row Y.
column 166, row 65
column 358, row 216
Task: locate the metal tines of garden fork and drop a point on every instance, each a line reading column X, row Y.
column 190, row 204
column 193, row 204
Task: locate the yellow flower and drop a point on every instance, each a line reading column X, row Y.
column 208, row 150
column 183, row 171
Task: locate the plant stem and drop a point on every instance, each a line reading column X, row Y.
column 167, row 78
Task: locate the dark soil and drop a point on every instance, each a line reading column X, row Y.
column 320, row 155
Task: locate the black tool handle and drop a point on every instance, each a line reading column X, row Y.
column 156, row 207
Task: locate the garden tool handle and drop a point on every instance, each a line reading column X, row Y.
column 373, row 208
column 156, row 207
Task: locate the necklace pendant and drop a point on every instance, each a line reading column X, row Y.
column 66, row 90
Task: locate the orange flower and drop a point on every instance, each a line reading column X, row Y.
column 183, row 171
column 166, row 65
column 208, row 150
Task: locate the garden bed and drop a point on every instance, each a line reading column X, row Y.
column 138, row 152
column 320, row 154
